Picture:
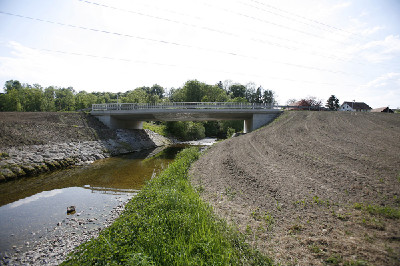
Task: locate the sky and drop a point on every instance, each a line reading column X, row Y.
column 346, row 48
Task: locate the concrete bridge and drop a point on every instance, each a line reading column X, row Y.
column 132, row 115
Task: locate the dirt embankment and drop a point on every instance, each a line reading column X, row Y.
column 312, row 188
column 36, row 128
column 32, row 143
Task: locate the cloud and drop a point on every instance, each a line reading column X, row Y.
column 378, row 51
column 371, row 31
column 341, row 5
column 44, row 194
column 384, row 80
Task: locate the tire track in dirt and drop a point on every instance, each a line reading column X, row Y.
column 305, row 170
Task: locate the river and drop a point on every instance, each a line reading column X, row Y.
column 34, row 210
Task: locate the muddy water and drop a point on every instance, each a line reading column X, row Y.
column 32, row 207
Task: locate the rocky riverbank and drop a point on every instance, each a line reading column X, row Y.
column 53, row 248
column 33, row 143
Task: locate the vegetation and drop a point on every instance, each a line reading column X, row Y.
column 332, row 103
column 33, row 98
column 168, row 224
column 385, row 211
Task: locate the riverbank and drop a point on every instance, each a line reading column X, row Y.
column 168, row 224
column 33, row 143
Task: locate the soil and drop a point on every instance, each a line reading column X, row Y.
column 36, row 128
column 299, row 188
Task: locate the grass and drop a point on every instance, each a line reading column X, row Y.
column 385, row 211
column 160, row 129
column 168, row 224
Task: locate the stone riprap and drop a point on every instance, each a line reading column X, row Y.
column 30, row 160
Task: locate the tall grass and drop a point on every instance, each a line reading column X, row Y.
column 168, row 224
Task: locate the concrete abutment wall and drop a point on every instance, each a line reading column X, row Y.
column 115, row 123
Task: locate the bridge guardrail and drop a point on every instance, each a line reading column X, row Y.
column 197, row 105
column 179, row 105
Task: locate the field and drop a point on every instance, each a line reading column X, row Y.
column 311, row 188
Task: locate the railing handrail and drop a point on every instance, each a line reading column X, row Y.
column 178, row 105
column 194, row 105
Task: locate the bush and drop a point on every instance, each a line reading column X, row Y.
column 186, row 130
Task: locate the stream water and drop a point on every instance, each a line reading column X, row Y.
column 32, row 207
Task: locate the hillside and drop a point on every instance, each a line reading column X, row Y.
column 36, row 128
column 312, row 188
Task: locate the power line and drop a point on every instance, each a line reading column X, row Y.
column 222, row 32
column 175, row 44
column 311, row 20
column 186, row 67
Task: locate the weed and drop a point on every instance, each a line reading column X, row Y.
column 230, row 193
column 302, row 203
column 316, row 200
column 385, row 211
column 334, row 259
column 341, row 216
column 315, row 248
column 355, row 263
column 373, row 223
column 278, row 206
column 200, row 189
column 248, row 230
column 269, row 220
column 296, row 228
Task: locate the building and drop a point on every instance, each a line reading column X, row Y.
column 355, row 107
column 382, row 110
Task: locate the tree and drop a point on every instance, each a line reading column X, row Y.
column 332, row 103
column 65, row 99
column 269, row 97
column 157, row 90
column 237, row 90
column 312, row 102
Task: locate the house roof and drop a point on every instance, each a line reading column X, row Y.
column 382, row 109
column 358, row 105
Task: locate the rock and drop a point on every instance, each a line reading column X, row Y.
column 18, row 171
column 71, row 210
column 7, row 173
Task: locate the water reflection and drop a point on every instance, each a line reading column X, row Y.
column 32, row 206
column 117, row 174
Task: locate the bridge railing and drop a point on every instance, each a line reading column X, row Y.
column 179, row 105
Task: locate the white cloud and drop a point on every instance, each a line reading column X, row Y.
column 44, row 194
column 384, row 80
column 377, row 51
column 372, row 30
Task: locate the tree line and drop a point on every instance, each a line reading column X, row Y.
column 35, row 98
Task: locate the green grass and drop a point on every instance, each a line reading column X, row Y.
column 168, row 224
column 160, row 129
column 385, row 211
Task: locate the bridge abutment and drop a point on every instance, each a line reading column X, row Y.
column 115, row 123
column 257, row 121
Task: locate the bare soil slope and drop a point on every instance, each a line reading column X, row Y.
column 312, row 188
column 35, row 128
